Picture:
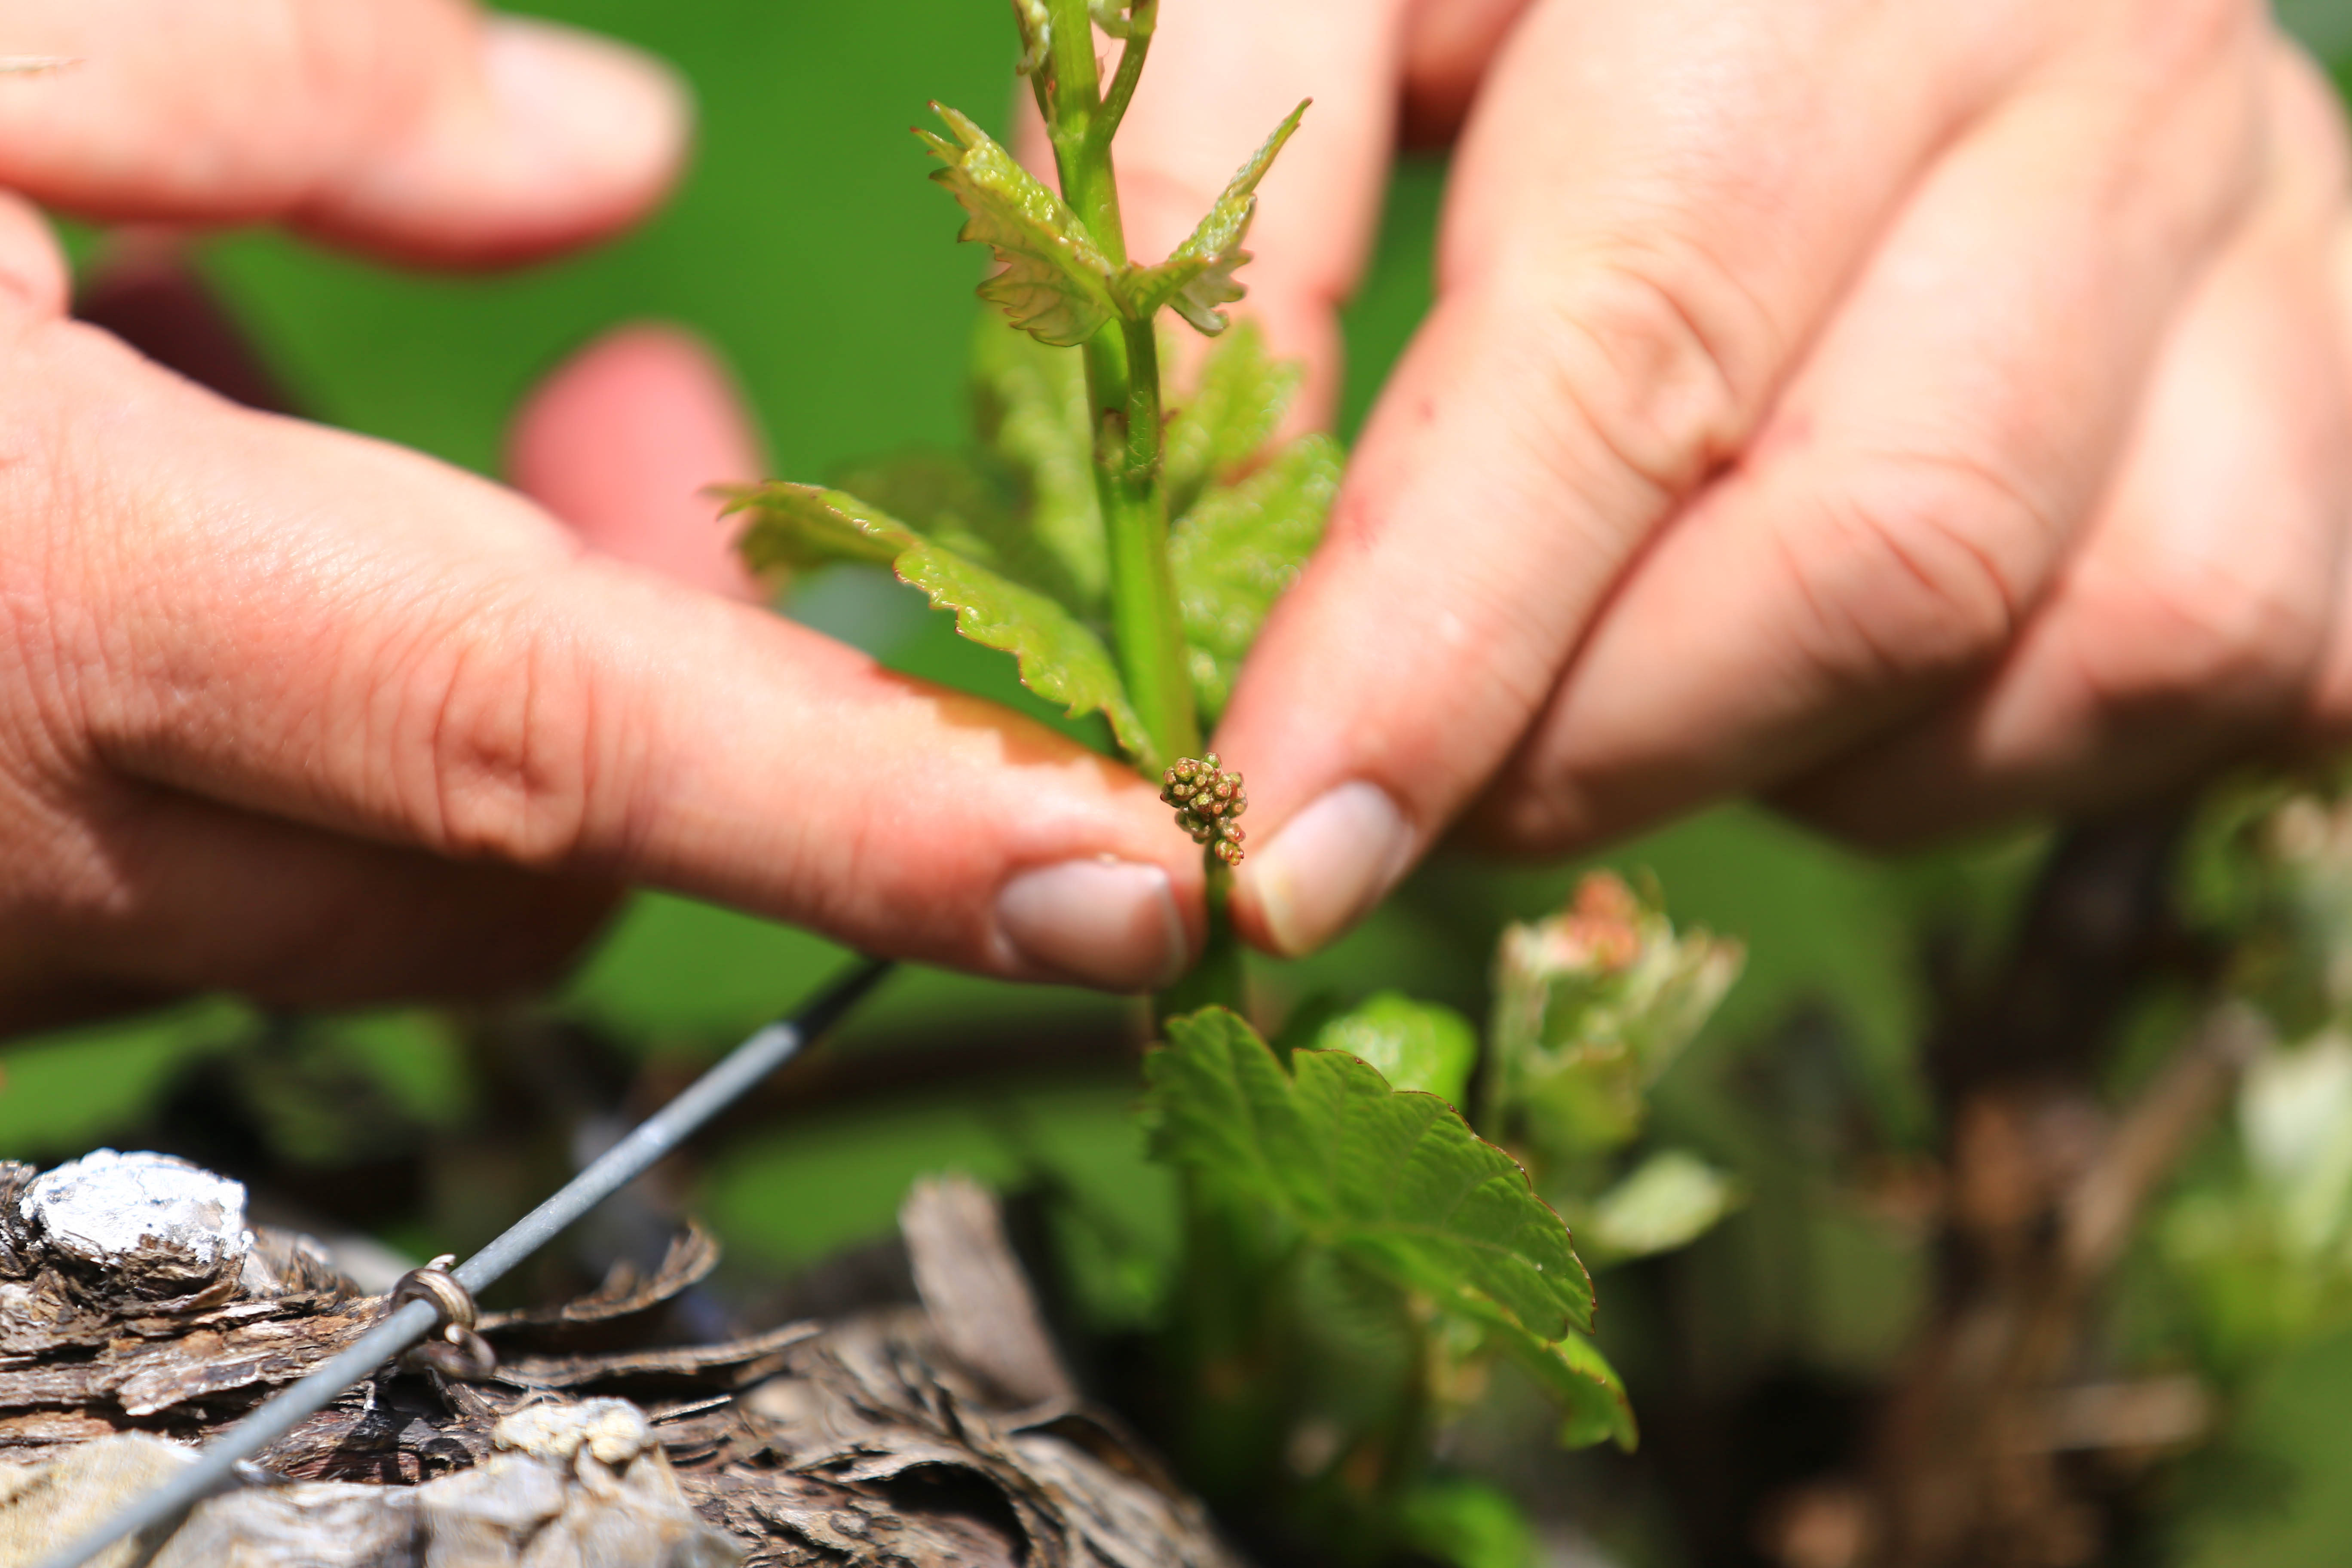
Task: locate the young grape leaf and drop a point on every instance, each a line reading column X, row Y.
column 1671, row 1200
column 797, row 528
column 946, row 497
column 969, row 503
column 1573, row 1372
column 1395, row 1180
column 1590, row 1006
column 1414, row 1045
column 1033, row 413
column 1236, row 552
column 1060, row 660
column 1198, row 276
column 1229, row 416
column 1055, row 283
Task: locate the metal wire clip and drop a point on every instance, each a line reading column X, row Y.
column 455, row 1350
column 428, row 1306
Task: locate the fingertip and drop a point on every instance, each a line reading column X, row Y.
column 623, row 442
column 559, row 138
column 1108, row 923
column 1323, row 869
column 610, row 119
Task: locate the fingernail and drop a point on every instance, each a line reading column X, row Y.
column 1327, row 867
column 1111, row 923
column 596, row 107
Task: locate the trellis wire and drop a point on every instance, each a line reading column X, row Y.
column 607, row 1174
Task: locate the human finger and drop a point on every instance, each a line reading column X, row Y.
column 2327, row 723
column 305, row 624
column 35, row 279
column 134, row 883
column 2189, row 626
column 423, row 130
column 1448, row 45
column 1651, row 211
column 1888, row 529
column 624, row 441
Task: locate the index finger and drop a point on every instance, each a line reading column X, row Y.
column 310, row 626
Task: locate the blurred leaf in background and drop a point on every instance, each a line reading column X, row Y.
column 1591, row 1005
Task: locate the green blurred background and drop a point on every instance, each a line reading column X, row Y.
column 806, row 245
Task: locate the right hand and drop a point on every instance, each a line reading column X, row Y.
column 1920, row 414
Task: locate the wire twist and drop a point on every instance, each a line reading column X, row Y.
column 436, row 1298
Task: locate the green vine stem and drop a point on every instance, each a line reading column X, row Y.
column 1123, row 382
column 1219, row 979
column 1123, row 386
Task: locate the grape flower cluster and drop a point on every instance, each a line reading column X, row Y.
column 1207, row 802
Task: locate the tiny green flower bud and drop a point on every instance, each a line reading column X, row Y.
column 1207, row 802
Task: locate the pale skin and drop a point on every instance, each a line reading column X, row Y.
column 1917, row 414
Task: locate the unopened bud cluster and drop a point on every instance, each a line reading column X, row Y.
column 1207, row 803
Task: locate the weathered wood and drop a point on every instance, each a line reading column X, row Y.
column 688, row 1368
column 909, row 1437
column 975, row 1292
column 588, row 1321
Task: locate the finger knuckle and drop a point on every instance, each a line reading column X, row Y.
column 1654, row 347
column 52, row 630
column 1920, row 568
column 510, row 763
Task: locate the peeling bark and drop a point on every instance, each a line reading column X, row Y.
column 909, row 1437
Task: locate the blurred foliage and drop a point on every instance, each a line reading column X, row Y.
column 2261, row 1233
column 1414, row 1045
column 1591, row 1005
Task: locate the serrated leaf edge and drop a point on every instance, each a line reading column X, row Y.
column 1031, row 231
column 1575, row 1355
column 1197, row 277
column 1471, row 1299
column 909, row 550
